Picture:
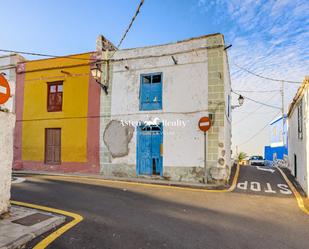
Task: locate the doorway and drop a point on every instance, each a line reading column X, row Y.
column 149, row 150
column 53, row 146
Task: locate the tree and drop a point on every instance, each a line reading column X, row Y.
column 241, row 156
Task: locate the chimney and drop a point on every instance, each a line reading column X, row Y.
column 103, row 44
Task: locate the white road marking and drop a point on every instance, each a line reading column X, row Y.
column 255, row 186
column 269, row 189
column 284, row 189
column 242, row 185
column 263, row 169
column 18, row 180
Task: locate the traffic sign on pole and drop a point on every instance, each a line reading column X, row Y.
column 204, row 124
column 5, row 91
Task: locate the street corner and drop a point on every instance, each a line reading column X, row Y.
column 266, row 181
column 22, row 224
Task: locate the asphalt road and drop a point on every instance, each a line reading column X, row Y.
column 121, row 215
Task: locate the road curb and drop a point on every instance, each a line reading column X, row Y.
column 299, row 199
column 23, row 237
column 188, row 187
column 54, row 235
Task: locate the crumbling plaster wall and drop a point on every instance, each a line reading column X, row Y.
column 7, row 121
column 117, row 138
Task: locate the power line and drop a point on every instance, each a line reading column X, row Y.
column 264, row 77
column 130, row 25
column 45, row 55
column 116, row 115
column 249, row 139
column 128, row 28
column 253, row 112
column 256, row 101
column 258, row 91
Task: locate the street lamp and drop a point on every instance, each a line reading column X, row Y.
column 97, row 74
column 241, row 100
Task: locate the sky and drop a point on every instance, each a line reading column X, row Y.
column 268, row 37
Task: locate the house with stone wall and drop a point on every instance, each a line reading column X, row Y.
column 7, row 123
column 152, row 101
column 298, row 135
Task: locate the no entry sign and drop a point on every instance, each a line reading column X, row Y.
column 204, row 124
column 5, row 91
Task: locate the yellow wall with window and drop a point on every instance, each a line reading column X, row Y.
column 72, row 119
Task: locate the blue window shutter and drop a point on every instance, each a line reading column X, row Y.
column 151, row 91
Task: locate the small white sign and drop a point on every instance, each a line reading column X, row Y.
column 3, row 90
column 204, row 124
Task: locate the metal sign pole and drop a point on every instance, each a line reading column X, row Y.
column 205, row 157
column 204, row 125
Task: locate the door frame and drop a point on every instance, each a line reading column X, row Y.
column 139, row 133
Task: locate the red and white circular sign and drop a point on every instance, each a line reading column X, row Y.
column 5, row 91
column 204, row 124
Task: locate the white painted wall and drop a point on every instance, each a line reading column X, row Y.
column 300, row 147
column 7, row 66
column 7, row 121
column 184, row 90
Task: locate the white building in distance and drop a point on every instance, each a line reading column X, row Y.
column 298, row 135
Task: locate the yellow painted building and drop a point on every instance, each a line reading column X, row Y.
column 57, row 125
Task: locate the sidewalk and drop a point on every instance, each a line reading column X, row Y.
column 297, row 186
column 146, row 180
column 22, row 225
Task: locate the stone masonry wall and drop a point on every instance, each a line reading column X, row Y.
column 216, row 106
column 105, row 113
column 7, row 121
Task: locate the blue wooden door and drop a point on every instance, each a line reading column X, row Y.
column 149, row 158
column 145, row 153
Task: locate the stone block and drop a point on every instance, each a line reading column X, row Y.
column 184, row 174
column 219, row 173
column 118, row 170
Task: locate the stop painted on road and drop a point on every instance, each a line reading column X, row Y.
column 267, row 188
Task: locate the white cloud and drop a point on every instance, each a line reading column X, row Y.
column 270, row 38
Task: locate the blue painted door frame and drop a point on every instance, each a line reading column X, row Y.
column 149, row 160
